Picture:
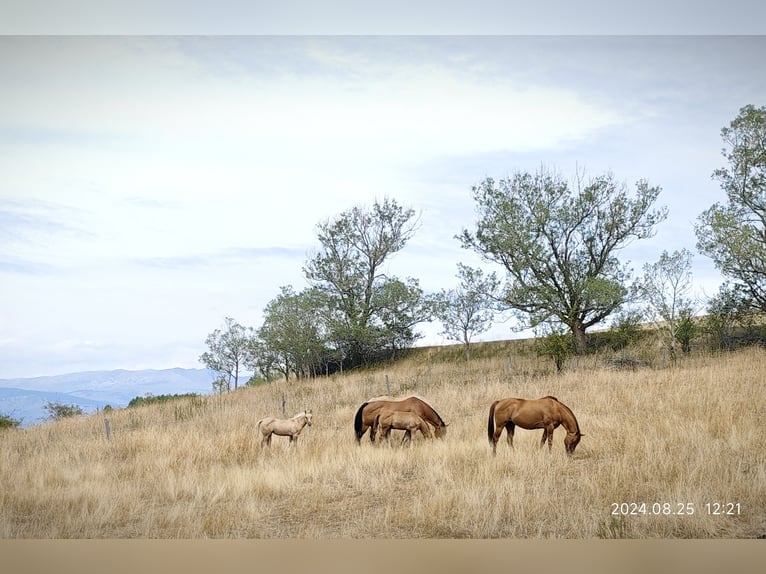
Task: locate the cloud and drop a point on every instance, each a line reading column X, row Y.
column 224, row 257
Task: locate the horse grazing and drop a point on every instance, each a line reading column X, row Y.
column 365, row 415
column 283, row 427
column 546, row 413
column 387, row 419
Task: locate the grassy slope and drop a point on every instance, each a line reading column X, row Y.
column 194, row 468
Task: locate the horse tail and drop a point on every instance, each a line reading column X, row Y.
column 258, row 426
column 358, row 418
column 491, row 422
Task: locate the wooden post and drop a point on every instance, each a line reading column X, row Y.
column 388, row 387
column 284, row 402
column 108, row 429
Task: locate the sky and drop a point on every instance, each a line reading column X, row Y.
column 154, row 185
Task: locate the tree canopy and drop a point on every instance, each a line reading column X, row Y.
column 733, row 234
column 227, row 352
column 367, row 309
column 559, row 244
column 468, row 309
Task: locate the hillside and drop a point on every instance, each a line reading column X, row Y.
column 24, row 399
column 673, row 452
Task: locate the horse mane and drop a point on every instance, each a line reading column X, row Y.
column 563, row 406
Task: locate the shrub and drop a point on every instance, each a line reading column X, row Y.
column 57, row 411
column 7, row 422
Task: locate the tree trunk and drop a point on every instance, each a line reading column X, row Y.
column 580, row 341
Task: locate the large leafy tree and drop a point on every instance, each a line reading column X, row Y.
column 292, row 334
column 468, row 309
column 228, row 351
column 559, row 244
column 348, row 269
column 733, row 234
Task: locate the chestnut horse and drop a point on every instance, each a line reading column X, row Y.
column 283, row 427
column 365, row 415
column 546, row 413
column 387, row 419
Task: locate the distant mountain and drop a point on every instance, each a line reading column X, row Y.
column 24, row 399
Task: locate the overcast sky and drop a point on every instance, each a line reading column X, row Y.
column 152, row 186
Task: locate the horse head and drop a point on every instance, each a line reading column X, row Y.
column 572, row 440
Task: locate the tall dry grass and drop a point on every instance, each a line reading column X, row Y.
column 692, row 433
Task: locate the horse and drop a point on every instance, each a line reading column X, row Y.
column 365, row 415
column 387, row 419
column 283, row 427
column 545, row 413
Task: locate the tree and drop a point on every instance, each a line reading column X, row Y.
column 402, row 306
column 727, row 310
column 227, row 354
column 348, row 270
column 7, row 421
column 292, row 332
column 558, row 245
column 665, row 287
column 733, row 235
column 470, row 308
column 554, row 344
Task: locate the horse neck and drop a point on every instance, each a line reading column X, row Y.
column 431, row 416
column 568, row 419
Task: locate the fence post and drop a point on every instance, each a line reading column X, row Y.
column 284, row 402
column 108, row 429
column 388, row 387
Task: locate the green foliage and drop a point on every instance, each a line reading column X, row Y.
column 558, row 245
column 556, row 345
column 150, row 399
column 626, row 330
column 733, row 234
column 292, row 337
column 687, row 330
column 368, row 312
column 58, row 411
column 729, row 311
column 7, row 421
column 665, row 287
column 228, row 350
column 469, row 309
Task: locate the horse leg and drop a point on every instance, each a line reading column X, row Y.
column 509, row 427
column 407, row 437
column 495, row 438
column 548, row 434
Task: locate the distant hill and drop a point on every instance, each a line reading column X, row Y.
column 24, row 399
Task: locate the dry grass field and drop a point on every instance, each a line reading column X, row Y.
column 673, row 452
